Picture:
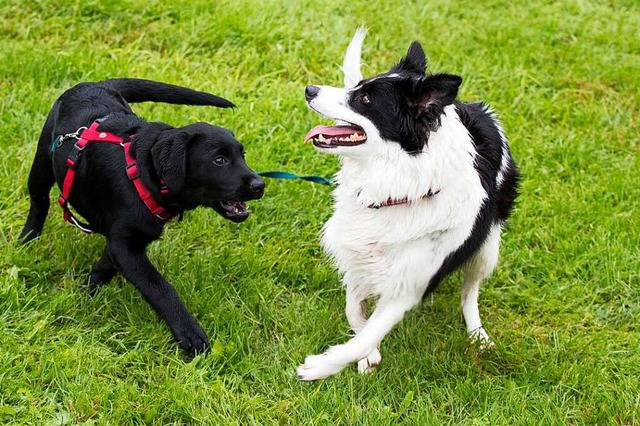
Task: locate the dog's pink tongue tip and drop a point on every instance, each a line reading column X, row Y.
column 330, row 131
column 313, row 132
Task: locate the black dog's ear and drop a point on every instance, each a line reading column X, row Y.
column 123, row 125
column 169, row 154
column 415, row 61
column 438, row 89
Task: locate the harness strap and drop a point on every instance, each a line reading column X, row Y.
column 145, row 195
column 67, row 184
column 92, row 134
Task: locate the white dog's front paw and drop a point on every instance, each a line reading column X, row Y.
column 480, row 337
column 318, row 367
column 368, row 364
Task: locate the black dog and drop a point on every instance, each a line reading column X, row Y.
column 180, row 168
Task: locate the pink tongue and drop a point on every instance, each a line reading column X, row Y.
column 332, row 131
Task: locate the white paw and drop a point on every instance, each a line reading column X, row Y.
column 480, row 337
column 368, row 364
column 317, row 367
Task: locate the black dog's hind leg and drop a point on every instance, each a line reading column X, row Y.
column 41, row 179
column 102, row 272
column 133, row 263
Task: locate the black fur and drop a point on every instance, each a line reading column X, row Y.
column 186, row 158
column 500, row 198
column 406, row 105
column 414, row 62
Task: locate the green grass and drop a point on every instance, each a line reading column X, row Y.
column 564, row 305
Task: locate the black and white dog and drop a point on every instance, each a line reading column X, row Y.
column 426, row 184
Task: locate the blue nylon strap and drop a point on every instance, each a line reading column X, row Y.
column 285, row 175
column 56, row 143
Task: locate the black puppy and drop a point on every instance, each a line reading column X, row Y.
column 179, row 168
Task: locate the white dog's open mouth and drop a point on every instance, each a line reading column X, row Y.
column 335, row 136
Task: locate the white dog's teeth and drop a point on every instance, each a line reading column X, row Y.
column 320, row 138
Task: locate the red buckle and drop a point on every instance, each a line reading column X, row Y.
column 132, row 171
column 77, row 149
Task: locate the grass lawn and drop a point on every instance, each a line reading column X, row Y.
column 563, row 306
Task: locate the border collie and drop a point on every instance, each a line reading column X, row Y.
column 425, row 187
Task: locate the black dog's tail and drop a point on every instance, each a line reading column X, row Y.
column 138, row 90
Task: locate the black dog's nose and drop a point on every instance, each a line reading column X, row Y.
column 311, row 92
column 257, row 186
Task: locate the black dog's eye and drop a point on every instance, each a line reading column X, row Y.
column 220, row 161
column 364, row 99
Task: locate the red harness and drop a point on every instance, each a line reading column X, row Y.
column 92, row 134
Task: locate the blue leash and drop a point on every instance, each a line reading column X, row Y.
column 285, row 175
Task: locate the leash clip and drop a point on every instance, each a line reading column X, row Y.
column 57, row 142
column 75, row 135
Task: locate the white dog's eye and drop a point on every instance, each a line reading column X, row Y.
column 220, row 161
column 364, row 99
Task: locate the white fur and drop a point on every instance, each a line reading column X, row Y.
column 391, row 253
column 475, row 270
column 351, row 63
column 506, row 156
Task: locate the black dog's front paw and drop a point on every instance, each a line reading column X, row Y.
column 97, row 279
column 27, row 235
column 190, row 336
column 91, row 284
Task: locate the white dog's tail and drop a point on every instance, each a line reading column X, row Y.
column 351, row 64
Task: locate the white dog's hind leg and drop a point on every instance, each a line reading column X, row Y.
column 356, row 316
column 480, row 266
column 369, row 363
column 386, row 315
column 354, row 310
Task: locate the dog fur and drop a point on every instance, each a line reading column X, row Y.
column 201, row 164
column 426, row 193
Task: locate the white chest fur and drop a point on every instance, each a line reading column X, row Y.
column 398, row 248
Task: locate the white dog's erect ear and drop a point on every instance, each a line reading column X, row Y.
column 351, row 64
column 415, row 61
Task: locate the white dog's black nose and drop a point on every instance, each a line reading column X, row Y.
column 311, row 92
